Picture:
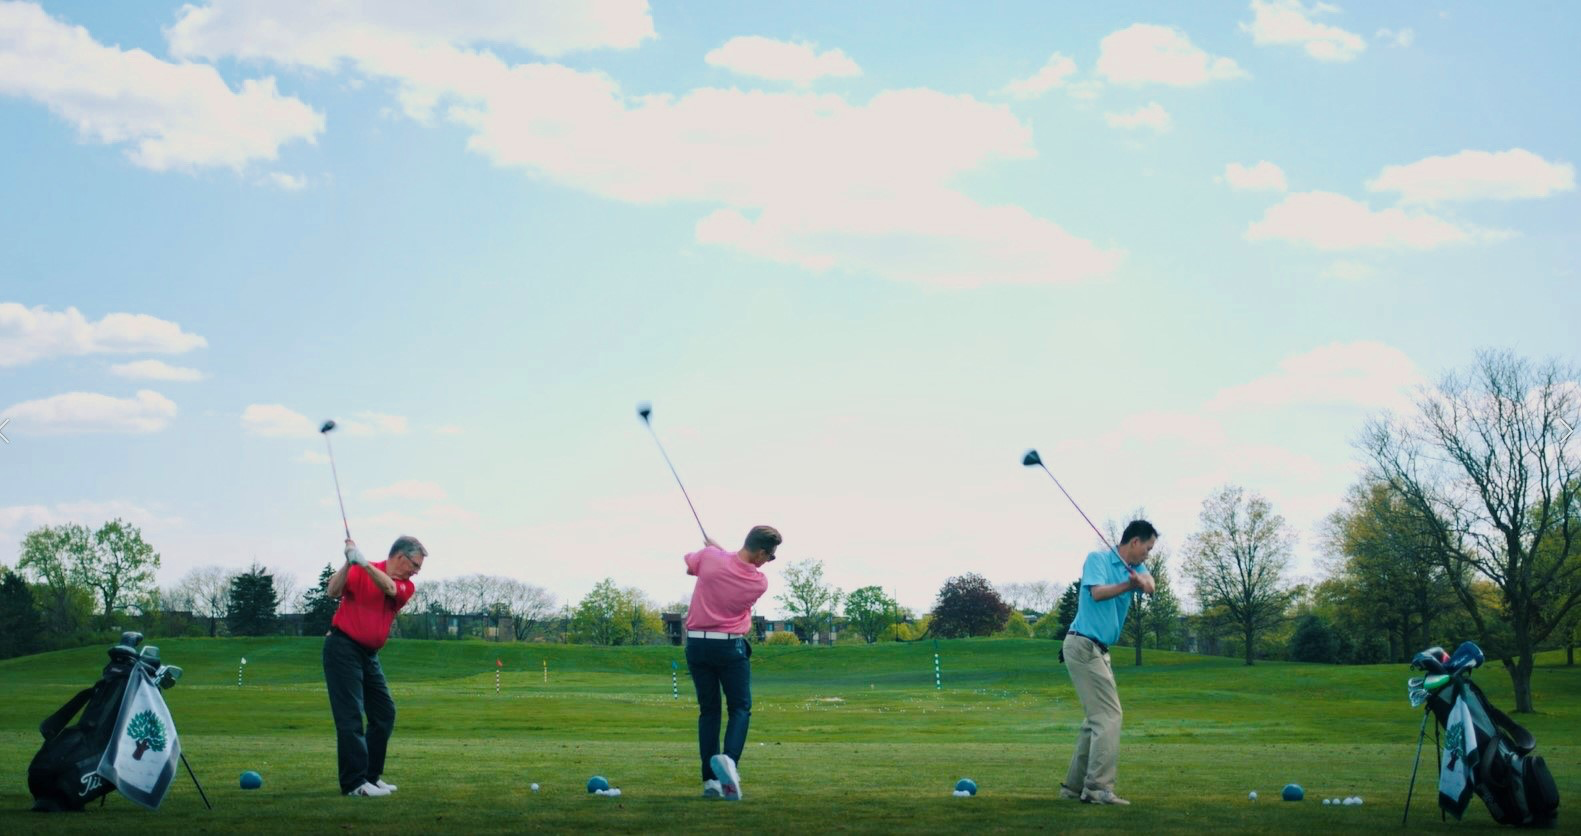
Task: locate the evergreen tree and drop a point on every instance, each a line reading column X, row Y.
column 1066, row 611
column 21, row 627
column 252, row 610
column 318, row 609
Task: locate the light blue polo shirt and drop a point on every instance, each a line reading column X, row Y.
column 1103, row 620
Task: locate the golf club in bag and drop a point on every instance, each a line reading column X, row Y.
column 125, row 738
column 1485, row 751
column 645, row 412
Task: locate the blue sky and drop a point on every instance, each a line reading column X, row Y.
column 860, row 257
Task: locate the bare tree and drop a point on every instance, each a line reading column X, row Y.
column 1038, row 596
column 1491, row 464
column 530, row 606
column 288, row 592
column 1238, row 560
column 208, row 590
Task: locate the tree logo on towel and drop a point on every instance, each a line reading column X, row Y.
column 1455, row 743
column 147, row 732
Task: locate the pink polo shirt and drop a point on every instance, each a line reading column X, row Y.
column 727, row 587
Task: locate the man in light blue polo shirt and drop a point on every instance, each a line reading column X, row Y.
column 1108, row 580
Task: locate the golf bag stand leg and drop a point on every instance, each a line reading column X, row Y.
column 1420, row 738
column 1438, row 758
column 201, row 793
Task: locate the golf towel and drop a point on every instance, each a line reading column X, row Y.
column 141, row 758
column 1456, row 777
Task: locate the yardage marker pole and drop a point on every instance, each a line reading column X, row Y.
column 938, row 675
column 546, row 671
column 675, row 687
column 239, row 670
column 499, row 664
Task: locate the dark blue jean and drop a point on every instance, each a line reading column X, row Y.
column 721, row 664
column 357, row 686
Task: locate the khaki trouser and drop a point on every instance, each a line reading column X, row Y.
column 1094, row 765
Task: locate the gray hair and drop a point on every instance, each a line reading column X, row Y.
column 408, row 545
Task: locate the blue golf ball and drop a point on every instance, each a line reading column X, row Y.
column 596, row 783
column 251, row 780
column 966, row 785
column 1293, row 792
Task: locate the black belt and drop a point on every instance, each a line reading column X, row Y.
column 1101, row 646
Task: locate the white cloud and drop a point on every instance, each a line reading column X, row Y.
column 808, row 179
column 1367, row 374
column 1262, row 177
column 279, row 421
column 1085, row 90
column 155, row 370
column 407, row 489
column 1402, row 38
column 1145, row 53
column 1054, row 73
column 1476, row 175
column 313, row 457
column 801, row 63
column 78, row 413
column 30, row 334
column 449, row 429
column 173, row 116
column 1331, row 221
column 1152, row 116
column 286, row 182
column 17, row 520
column 318, row 34
column 1290, row 23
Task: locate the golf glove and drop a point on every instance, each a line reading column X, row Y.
column 354, row 555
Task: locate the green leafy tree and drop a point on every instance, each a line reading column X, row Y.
column 1314, row 641
column 868, row 611
column 1237, row 561
column 149, row 733
column 48, row 555
column 120, row 567
column 807, row 598
column 969, row 605
column 1016, row 627
column 601, row 616
column 252, row 603
column 1154, row 619
column 21, row 628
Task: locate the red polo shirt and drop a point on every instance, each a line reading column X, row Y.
column 365, row 612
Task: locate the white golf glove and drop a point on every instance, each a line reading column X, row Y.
column 354, row 555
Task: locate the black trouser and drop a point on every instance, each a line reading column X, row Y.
column 356, row 686
column 716, row 664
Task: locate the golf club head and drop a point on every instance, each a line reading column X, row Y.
column 1429, row 660
column 1031, row 459
column 1468, row 657
column 644, row 409
column 328, row 425
column 1416, row 690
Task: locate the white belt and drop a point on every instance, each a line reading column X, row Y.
column 710, row 634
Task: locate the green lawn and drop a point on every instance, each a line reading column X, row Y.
column 846, row 738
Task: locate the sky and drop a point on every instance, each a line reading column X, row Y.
column 859, row 257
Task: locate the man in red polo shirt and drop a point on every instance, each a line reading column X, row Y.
column 370, row 595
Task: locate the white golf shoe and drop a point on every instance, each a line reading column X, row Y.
column 1101, row 797
column 712, row 789
column 368, row 790
column 383, row 786
column 729, row 779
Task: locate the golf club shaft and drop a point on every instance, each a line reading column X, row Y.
column 338, row 497
column 1077, row 507
column 677, row 476
column 201, row 793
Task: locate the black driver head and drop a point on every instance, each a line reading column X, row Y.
column 328, row 425
column 1031, row 459
column 644, row 409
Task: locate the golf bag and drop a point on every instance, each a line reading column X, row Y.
column 1489, row 754
column 65, row 774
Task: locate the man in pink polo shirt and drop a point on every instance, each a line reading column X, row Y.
column 717, row 652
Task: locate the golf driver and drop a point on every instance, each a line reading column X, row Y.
column 645, row 412
column 324, row 431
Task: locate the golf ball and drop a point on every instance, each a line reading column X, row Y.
column 534, row 787
column 1252, row 796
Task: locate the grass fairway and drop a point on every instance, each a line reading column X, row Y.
column 843, row 739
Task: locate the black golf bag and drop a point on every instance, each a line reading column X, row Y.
column 1515, row 784
column 64, row 774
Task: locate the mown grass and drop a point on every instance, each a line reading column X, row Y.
column 849, row 738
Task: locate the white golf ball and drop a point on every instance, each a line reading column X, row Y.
column 1252, row 795
column 534, row 787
